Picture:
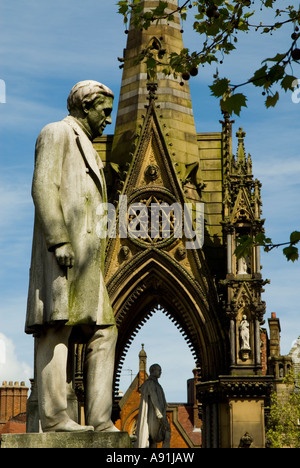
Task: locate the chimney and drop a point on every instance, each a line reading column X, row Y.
column 274, row 325
column 13, row 399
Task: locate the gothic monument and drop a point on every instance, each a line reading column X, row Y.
column 183, row 259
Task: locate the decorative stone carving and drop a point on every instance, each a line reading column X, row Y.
column 246, row 440
column 153, row 219
column 181, row 253
column 152, row 172
column 124, row 252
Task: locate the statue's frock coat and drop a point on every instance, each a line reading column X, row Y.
column 153, row 406
column 69, row 195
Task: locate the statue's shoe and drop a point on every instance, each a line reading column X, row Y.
column 110, row 428
column 69, row 426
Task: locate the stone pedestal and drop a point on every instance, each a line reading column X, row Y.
column 234, row 411
column 105, row 440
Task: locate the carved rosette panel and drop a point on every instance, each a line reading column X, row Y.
column 154, row 218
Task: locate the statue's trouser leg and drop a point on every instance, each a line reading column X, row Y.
column 99, row 371
column 167, row 439
column 51, row 363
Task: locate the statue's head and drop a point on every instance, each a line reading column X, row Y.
column 91, row 102
column 155, row 370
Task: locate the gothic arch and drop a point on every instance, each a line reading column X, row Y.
column 148, row 316
column 154, row 44
column 152, row 278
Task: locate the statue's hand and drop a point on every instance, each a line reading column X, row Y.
column 65, row 255
column 164, row 424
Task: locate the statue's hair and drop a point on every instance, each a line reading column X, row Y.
column 151, row 369
column 86, row 91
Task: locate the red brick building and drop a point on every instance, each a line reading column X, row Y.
column 13, row 400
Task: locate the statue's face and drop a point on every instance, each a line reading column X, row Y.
column 156, row 372
column 99, row 115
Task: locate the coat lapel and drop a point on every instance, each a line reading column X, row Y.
column 89, row 154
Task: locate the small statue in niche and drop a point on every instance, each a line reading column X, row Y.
column 244, row 330
column 281, row 373
column 242, row 266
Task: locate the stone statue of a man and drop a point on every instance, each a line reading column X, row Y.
column 153, row 426
column 68, row 301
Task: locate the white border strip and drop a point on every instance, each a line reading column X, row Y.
column 160, row 91
column 143, row 77
column 163, row 105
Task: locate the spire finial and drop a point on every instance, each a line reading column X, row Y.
column 241, row 135
column 152, row 88
column 142, row 366
column 241, row 155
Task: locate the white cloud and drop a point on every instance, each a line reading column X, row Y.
column 15, row 202
column 287, row 170
column 28, row 114
column 11, row 368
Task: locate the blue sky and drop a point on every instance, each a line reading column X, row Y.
column 45, row 48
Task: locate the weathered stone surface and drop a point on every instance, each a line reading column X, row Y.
column 67, row 440
column 66, row 284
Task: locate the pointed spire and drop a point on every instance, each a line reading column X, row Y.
column 142, row 366
column 249, row 165
column 152, row 90
column 241, row 154
column 227, row 136
column 173, row 99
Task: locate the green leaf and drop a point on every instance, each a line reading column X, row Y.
column 219, row 87
column 261, row 239
column 218, row 2
column 234, row 103
column 123, row 7
column 287, row 82
column 160, row 10
column 244, row 246
column 291, row 253
column 276, row 73
column 271, row 101
column 260, row 76
column 151, row 63
column 278, row 58
column 295, row 237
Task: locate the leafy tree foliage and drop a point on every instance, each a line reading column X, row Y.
column 246, row 243
column 219, row 24
column 284, row 421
